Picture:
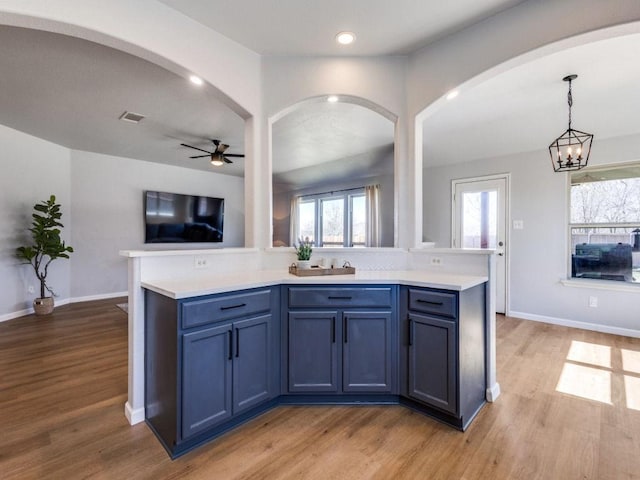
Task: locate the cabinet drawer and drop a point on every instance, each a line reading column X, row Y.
column 438, row 303
column 200, row 312
column 340, row 297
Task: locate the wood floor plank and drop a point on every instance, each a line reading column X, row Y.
column 63, row 382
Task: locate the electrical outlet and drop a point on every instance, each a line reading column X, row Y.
column 436, row 261
column 518, row 224
column 593, row 302
column 201, row 262
column 31, row 289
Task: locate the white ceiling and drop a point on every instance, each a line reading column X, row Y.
column 72, row 92
column 303, row 27
column 525, row 109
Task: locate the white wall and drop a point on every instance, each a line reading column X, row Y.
column 107, row 206
column 539, row 252
column 32, row 170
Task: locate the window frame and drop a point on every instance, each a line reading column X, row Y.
column 571, row 226
column 347, row 196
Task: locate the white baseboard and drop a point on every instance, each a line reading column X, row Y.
column 103, row 296
column 133, row 416
column 596, row 327
column 63, row 301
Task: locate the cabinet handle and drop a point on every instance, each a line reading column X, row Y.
column 230, row 345
column 410, row 335
column 237, row 342
column 338, row 298
column 430, row 303
column 333, row 330
column 346, row 328
column 234, row 306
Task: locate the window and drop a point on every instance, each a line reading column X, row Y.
column 333, row 219
column 605, row 223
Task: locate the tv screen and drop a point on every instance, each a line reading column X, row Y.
column 177, row 218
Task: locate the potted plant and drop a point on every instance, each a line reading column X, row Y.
column 304, row 250
column 47, row 246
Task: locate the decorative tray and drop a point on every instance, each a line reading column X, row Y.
column 318, row 271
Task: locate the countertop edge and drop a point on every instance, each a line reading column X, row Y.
column 180, row 289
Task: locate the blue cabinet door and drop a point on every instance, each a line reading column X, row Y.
column 367, row 352
column 206, row 379
column 433, row 362
column 251, row 362
column 313, row 353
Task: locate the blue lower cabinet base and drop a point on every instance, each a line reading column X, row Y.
column 460, row 423
column 186, row 446
column 176, row 451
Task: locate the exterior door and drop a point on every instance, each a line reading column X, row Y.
column 480, row 215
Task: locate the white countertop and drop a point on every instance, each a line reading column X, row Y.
column 194, row 287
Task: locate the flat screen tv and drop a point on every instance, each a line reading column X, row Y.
column 177, row 218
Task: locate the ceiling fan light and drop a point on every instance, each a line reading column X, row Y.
column 216, row 160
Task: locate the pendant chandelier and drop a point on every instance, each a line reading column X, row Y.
column 570, row 151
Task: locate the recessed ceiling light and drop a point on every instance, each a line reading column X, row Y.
column 345, row 38
column 195, row 79
column 452, row 94
column 332, row 98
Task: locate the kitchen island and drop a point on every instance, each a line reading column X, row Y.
column 222, row 350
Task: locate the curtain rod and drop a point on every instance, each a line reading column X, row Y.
column 337, row 191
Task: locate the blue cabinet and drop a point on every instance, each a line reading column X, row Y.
column 211, row 362
column 313, row 351
column 206, row 379
column 433, row 363
column 443, row 351
column 336, row 345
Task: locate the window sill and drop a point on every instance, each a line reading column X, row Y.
column 602, row 285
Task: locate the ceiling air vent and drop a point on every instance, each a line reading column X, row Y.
column 131, row 117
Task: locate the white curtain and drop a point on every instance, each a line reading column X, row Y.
column 294, row 227
column 372, row 194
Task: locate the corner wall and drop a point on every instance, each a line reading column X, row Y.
column 32, row 170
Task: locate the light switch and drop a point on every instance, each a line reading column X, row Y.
column 518, row 224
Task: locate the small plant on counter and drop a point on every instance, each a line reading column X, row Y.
column 304, row 249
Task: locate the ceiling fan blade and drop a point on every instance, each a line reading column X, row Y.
column 220, row 148
column 238, row 155
column 195, row 148
column 226, row 160
column 201, row 156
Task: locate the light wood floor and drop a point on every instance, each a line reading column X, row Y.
column 63, row 383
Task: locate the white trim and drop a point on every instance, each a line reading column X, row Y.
column 493, row 392
column 90, row 298
column 191, row 251
column 134, row 416
column 454, row 251
column 58, row 303
column 610, row 285
column 626, row 332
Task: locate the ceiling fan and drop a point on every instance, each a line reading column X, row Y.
column 218, row 157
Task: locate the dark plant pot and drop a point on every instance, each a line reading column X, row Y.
column 43, row 306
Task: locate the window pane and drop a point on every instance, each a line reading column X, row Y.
column 333, row 223
column 307, row 220
column 611, row 201
column 606, row 253
column 358, row 221
column 480, row 219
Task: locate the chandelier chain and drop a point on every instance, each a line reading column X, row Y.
column 570, row 102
